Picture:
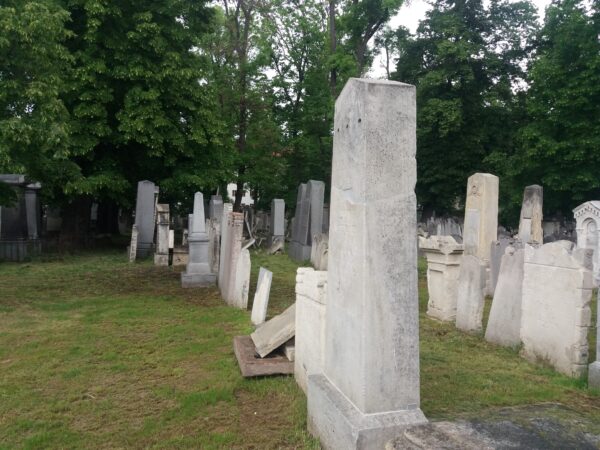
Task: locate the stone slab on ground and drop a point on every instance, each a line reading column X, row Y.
column 275, row 332
column 549, row 426
column 253, row 366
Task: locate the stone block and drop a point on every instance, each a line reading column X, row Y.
column 504, row 323
column 443, row 255
column 261, row 296
column 253, row 366
column 311, row 294
column 369, row 388
column 471, row 294
column 241, row 286
column 556, row 293
column 275, row 332
column 161, row 256
column 145, row 213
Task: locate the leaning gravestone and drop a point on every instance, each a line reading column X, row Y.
column 145, row 214
column 471, row 294
column 497, row 250
column 556, row 312
column 369, row 389
column 161, row 256
column 261, row 297
column 198, row 271
column 504, row 323
column 530, row 223
column 587, row 216
column 443, row 255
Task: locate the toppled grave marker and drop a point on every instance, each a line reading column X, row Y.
column 252, row 365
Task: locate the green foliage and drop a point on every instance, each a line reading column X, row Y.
column 560, row 144
column 466, row 62
column 34, row 122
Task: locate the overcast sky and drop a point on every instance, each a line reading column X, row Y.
column 410, row 15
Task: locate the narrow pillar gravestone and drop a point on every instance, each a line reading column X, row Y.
column 277, row 222
column 145, row 217
column 198, row 272
column 594, row 369
column 133, row 244
column 232, row 252
column 161, row 256
column 471, row 294
column 556, row 312
column 530, row 222
column 261, row 297
column 504, row 323
column 481, row 215
column 443, row 255
column 308, row 219
column 224, row 244
column 587, row 217
column 496, row 253
column 369, row 389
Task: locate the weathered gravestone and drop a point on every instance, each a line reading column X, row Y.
column 556, row 313
column 594, row 369
column 369, row 389
column 213, row 227
column 198, row 271
column 443, row 255
column 481, row 215
column 530, row 222
column 319, row 251
column 587, row 216
column 471, row 294
column 311, row 290
column 161, row 256
column 308, row 219
column 261, row 296
column 504, row 323
column 234, row 263
column 215, row 208
column 277, row 222
column 145, row 216
column 133, row 245
column 275, row 332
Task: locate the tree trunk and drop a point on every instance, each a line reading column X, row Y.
column 333, row 47
column 75, row 229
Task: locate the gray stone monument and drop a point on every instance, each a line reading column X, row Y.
column 369, row 389
column 231, row 253
column 145, row 217
column 133, row 245
column 594, row 369
column 198, row 271
column 530, row 222
column 161, row 256
column 215, row 208
column 277, row 222
column 308, row 219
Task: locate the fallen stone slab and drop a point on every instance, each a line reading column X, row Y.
column 253, row 366
column 275, row 332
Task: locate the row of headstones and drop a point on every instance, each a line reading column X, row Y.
column 541, row 293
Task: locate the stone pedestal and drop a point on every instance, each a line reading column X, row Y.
column 443, row 255
column 198, row 271
column 369, row 389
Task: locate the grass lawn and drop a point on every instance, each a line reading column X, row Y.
column 98, row 353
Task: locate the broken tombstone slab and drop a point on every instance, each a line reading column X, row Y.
column 275, row 332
